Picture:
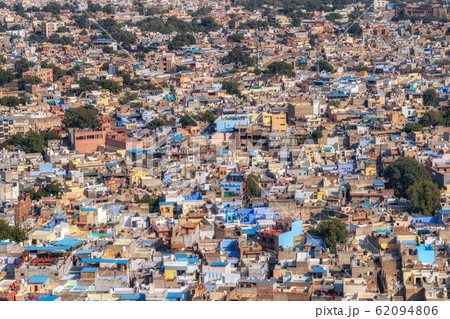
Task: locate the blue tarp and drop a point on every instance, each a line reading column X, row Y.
column 314, row 241
column 383, row 231
column 197, row 196
column 89, row 270
column 84, row 251
column 138, row 297
column 37, row 279
column 427, row 220
column 49, row 298
column 219, row 264
column 174, row 296
column 378, row 183
column 47, row 248
column 319, row 270
column 177, row 138
column 68, row 242
column 109, row 261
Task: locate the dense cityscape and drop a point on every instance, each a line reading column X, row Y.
column 260, row 150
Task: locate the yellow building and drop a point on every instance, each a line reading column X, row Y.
column 166, row 209
column 170, row 274
column 266, row 119
column 136, row 176
column 52, row 27
column 41, row 236
column 319, row 195
column 370, row 168
column 397, row 118
column 278, row 123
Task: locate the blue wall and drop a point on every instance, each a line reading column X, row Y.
column 426, row 254
column 286, row 240
column 228, row 124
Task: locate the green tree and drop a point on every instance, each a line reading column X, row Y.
column 424, row 198
column 6, row 76
column 18, row 234
column 81, row 21
column 413, row 127
column 252, row 186
column 201, row 12
column 108, row 9
column 236, row 55
column 65, row 40
column 13, row 233
column 82, row 117
column 404, row 172
column 108, row 50
column 326, row 66
column 140, row 56
column 22, row 65
column 93, row 7
column 136, row 105
column 52, row 189
column 187, row 120
column 355, row 30
column 355, row 15
column 181, row 40
column 208, row 117
column 206, row 24
column 38, row 37
column 73, row 70
column 15, row 139
column 52, row 7
column 33, row 142
column 333, row 232
column 105, row 66
column 296, row 22
column 10, row 101
column 28, row 80
column 35, row 194
column 254, row 24
column 236, row 37
column 129, row 98
column 87, row 84
column 430, row 97
column 157, row 123
column 232, row 87
column 50, row 135
column 153, row 203
column 280, row 68
column 111, row 85
column 316, row 134
column 115, row 30
column 333, row 17
column 62, row 29
column 432, row 118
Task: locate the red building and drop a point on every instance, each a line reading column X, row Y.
column 46, row 75
column 87, row 141
column 23, row 208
